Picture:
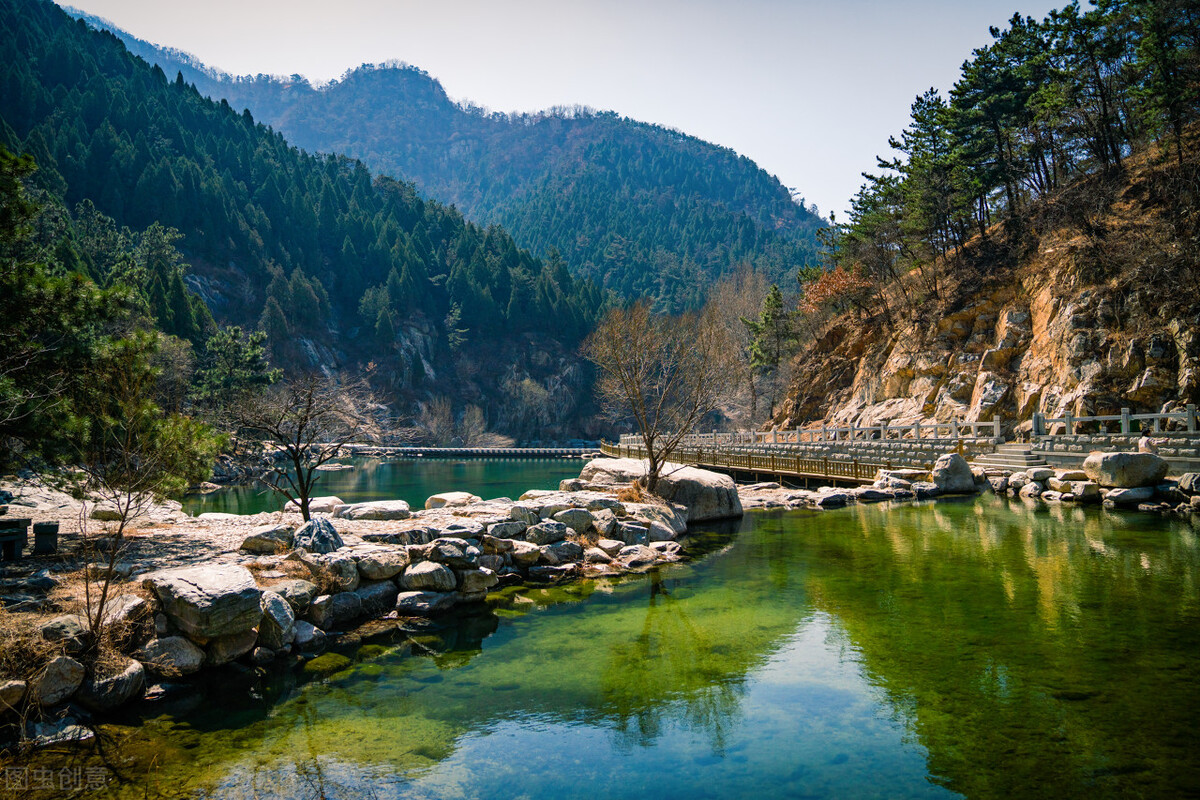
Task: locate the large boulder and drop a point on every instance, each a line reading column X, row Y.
column 637, row 555
column 1189, row 483
column 298, row 593
column 57, row 681
column 380, row 565
column 170, row 657
column 208, row 601
column 309, row 638
column 269, row 539
column 952, row 474
column 707, row 495
column 1125, row 470
column 451, row 499
column 278, row 626
column 424, row 603
column 224, row 649
column 525, row 554
column 477, row 580
column 428, row 576
column 376, row 510
column 577, row 519
column 377, row 597
column 316, row 505
column 330, row 612
column 110, row 686
column 547, row 532
column 12, row 694
column 561, row 553
column 72, row 631
column 318, row 536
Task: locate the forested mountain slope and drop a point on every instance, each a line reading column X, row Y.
column 340, row 267
column 645, row 210
column 1035, row 246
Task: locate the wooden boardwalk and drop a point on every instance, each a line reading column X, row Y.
column 779, row 465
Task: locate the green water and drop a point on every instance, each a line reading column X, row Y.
column 412, row 480
column 983, row 648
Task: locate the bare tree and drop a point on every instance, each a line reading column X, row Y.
column 737, row 296
column 310, row 419
column 667, row 373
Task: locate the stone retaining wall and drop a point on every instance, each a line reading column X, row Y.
column 917, row 453
column 1179, row 448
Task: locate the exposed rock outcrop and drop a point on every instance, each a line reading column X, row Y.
column 1050, row 316
column 706, row 495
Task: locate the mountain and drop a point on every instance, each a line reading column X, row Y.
column 340, row 267
column 643, row 209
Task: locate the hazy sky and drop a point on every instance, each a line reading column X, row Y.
column 809, row 90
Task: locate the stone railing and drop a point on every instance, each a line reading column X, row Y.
column 1125, row 423
column 943, row 432
column 1067, row 440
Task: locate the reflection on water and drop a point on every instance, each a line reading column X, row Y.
column 411, row 479
column 979, row 648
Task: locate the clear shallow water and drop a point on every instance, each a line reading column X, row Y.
column 978, row 648
column 412, row 480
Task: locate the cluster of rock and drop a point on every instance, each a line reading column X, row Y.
column 424, row 563
column 951, row 474
column 1118, row 480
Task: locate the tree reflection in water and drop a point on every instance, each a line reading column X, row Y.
column 663, row 675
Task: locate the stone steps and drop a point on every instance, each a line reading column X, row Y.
column 1011, row 456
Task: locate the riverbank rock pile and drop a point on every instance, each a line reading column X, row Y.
column 1117, row 480
column 289, row 587
column 706, row 495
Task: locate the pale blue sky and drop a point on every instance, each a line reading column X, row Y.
column 809, row 90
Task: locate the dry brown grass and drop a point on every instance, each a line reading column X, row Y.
column 633, row 493
column 22, row 651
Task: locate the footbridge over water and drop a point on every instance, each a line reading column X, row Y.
column 839, row 455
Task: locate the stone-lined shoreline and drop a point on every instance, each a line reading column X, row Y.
column 197, row 593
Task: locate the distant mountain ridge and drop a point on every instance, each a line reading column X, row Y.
column 646, row 210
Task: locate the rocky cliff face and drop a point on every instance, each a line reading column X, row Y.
column 1084, row 319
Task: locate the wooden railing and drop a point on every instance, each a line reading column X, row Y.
column 781, row 464
column 938, row 431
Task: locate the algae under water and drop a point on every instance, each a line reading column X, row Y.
column 978, row 648
column 409, row 479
